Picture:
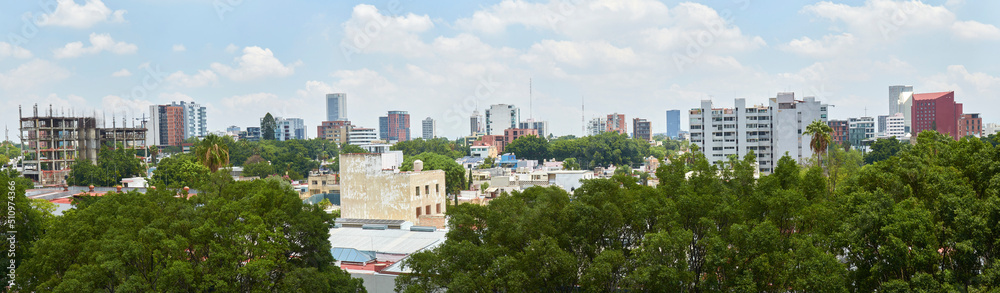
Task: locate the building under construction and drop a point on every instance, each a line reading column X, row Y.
column 51, row 143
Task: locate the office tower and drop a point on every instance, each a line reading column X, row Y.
column 335, row 131
column 500, row 117
column 882, row 123
column 901, row 101
column 289, row 128
column 475, row 123
column 673, row 123
column 895, row 126
column 361, row 136
column 861, row 131
column 596, row 126
column 336, row 107
column 195, row 120
column 429, row 128
column 395, row 126
column 641, row 129
column 790, row 118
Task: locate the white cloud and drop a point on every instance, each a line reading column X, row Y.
column 974, row 30
column 70, row 14
column 885, row 18
column 99, row 42
column 8, row 50
column 368, row 30
column 174, row 97
column 200, row 79
column 179, row 48
column 232, row 48
column 256, row 62
column 31, row 74
column 827, row 47
column 121, row 73
column 582, row 54
column 112, row 104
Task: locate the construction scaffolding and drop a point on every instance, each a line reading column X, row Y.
column 51, row 143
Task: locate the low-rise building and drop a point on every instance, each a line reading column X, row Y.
column 369, row 191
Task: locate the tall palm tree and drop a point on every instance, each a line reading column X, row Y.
column 213, row 152
column 820, row 137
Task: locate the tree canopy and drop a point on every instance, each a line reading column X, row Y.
column 601, row 150
column 268, row 127
column 249, row 236
column 113, row 164
column 923, row 220
column 441, row 146
column 454, row 173
column 530, row 147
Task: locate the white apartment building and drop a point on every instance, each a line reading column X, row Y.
column 901, row 101
column 860, row 132
column 289, row 128
column 195, row 124
column 360, row 136
column 597, row 126
column 991, row 128
column 500, row 117
column 895, row 126
column 429, row 128
column 769, row 131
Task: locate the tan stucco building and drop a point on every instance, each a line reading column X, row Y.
column 370, row 191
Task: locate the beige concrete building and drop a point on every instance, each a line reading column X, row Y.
column 323, row 183
column 369, row 191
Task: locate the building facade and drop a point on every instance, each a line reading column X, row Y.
column 616, row 123
column 360, row 136
column 901, row 101
column 861, row 131
column 195, row 120
column 723, row 132
column 596, row 126
column 289, row 128
column 167, row 125
column 673, row 123
column 368, row 191
column 475, row 123
column 510, row 134
column 895, row 126
column 336, row 107
column 840, row 134
column 395, row 126
column 541, row 126
column 335, row 131
column 936, row 111
column 500, row 117
column 790, row 118
column 429, row 128
column 990, row 129
column 641, row 129
column 970, row 125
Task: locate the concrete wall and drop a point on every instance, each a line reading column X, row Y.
column 368, row 192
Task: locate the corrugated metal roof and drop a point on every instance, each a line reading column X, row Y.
column 352, row 255
column 391, row 241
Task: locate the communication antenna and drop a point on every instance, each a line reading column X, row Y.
column 530, row 104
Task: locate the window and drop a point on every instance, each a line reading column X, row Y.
column 437, row 188
column 418, row 211
column 418, row 191
column 438, row 208
column 427, row 190
column 428, row 209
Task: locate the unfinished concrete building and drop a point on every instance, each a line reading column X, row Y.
column 51, row 143
column 370, row 190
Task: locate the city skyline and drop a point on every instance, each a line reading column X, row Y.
column 112, row 57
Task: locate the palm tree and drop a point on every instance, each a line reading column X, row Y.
column 820, row 137
column 213, row 152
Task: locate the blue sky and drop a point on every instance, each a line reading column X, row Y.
column 441, row 59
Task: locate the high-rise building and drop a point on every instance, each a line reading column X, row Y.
column 840, row 134
column 901, row 101
column 861, row 131
column 895, row 126
column 360, row 136
column 616, row 123
column 500, row 117
column 723, row 132
column 289, row 128
column 789, row 120
column 673, row 123
column 596, row 126
column 970, row 125
column 336, row 107
column 195, row 124
column 936, row 111
column 251, row 134
column 395, row 126
column 882, row 123
column 167, row 125
column 511, row 134
column 991, row 128
column 335, row 131
column 429, row 127
column 641, row 129
column 475, row 123
column 541, row 126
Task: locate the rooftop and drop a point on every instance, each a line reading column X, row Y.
column 389, row 241
column 930, row 96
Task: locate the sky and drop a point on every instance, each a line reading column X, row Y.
column 444, row 59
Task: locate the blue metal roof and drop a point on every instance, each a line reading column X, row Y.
column 352, row 255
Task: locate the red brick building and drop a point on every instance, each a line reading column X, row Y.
column 335, row 131
column 171, row 122
column 840, row 132
column 510, row 134
column 970, row 124
column 616, row 123
column 936, row 111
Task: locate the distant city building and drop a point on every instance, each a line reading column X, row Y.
column 861, row 131
column 901, row 101
column 429, row 128
column 616, row 123
column 251, row 134
column 195, row 124
column 289, row 128
column 641, row 129
column 335, row 131
column 596, row 126
column 510, row 134
column 769, row 131
column 991, row 128
column 936, row 111
column 840, row 134
column 895, row 126
column 673, row 123
column 475, row 123
column 233, row 129
column 166, row 125
column 336, row 107
column 395, row 126
column 541, row 126
column 360, row 136
column 500, row 117
column 882, row 124
column 970, row 125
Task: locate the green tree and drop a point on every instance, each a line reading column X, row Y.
column 260, row 169
column 570, row 164
column 213, row 152
column 84, row 173
column 250, row 236
column 268, row 127
column 884, row 148
column 530, row 147
column 352, row 149
column 454, row 173
column 178, row 171
column 821, row 138
column 25, row 221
